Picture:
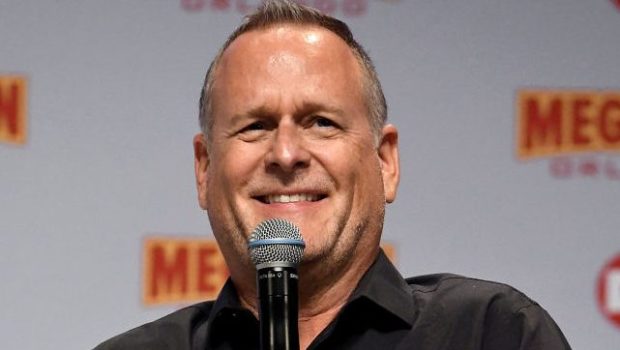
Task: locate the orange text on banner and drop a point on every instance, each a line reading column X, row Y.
column 185, row 270
column 13, row 103
column 555, row 122
column 181, row 270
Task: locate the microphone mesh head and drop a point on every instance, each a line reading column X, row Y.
column 274, row 241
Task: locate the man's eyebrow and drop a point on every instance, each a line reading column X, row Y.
column 253, row 113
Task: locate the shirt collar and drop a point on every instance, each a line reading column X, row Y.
column 383, row 285
column 228, row 315
column 227, row 299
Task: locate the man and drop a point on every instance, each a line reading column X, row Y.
column 293, row 127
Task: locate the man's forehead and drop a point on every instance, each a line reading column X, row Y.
column 311, row 40
column 272, row 61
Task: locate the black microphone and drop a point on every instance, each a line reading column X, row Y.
column 276, row 248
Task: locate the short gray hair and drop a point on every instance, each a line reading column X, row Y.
column 273, row 12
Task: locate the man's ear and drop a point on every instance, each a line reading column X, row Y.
column 388, row 156
column 201, row 163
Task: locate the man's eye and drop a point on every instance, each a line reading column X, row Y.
column 324, row 122
column 254, row 127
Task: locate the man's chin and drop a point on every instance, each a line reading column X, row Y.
column 315, row 255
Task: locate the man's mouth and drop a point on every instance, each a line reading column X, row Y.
column 290, row 198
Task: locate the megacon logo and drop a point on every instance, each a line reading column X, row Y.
column 577, row 130
column 608, row 291
column 347, row 8
column 181, row 270
column 13, row 104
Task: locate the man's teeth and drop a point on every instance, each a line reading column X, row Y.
column 285, row 198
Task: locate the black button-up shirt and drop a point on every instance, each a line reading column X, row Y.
column 385, row 311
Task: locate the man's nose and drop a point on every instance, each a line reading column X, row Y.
column 288, row 152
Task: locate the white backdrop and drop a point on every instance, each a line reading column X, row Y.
column 113, row 91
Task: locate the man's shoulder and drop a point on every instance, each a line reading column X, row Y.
column 485, row 312
column 173, row 331
column 457, row 294
column 467, row 292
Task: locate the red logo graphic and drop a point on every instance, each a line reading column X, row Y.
column 617, row 3
column 556, row 122
column 13, row 103
column 579, row 130
column 609, row 291
column 181, row 270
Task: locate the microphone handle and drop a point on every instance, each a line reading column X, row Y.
column 278, row 298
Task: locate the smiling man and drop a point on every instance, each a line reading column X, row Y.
column 293, row 127
column 291, row 137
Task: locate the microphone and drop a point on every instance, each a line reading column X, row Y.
column 276, row 248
